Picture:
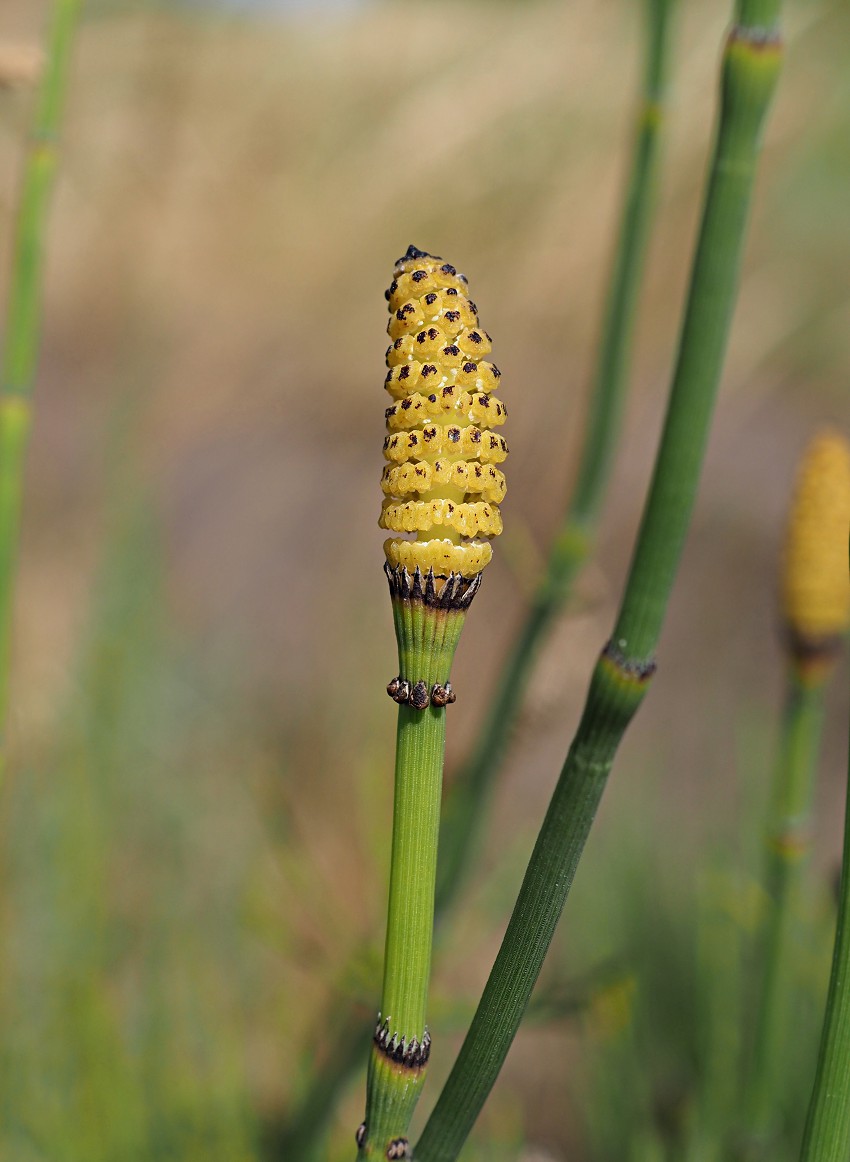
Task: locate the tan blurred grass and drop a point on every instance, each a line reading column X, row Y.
column 233, row 194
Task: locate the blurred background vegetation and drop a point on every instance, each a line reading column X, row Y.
column 195, row 823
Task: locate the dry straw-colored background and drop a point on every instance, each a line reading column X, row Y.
column 205, row 465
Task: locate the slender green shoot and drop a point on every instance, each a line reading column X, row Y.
column 816, row 614
column 23, row 320
column 719, row 1006
column 750, row 68
column 787, row 847
column 827, row 1134
column 463, row 813
column 303, row 1134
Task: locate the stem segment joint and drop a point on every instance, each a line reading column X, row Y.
column 412, row 1055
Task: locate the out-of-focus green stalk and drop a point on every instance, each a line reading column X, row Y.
column 298, row 1136
column 20, row 347
column 749, row 72
column 827, row 1134
column 719, row 1009
column 787, row 848
column 463, row 813
column 815, row 603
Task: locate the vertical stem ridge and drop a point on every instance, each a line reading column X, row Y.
column 20, row 353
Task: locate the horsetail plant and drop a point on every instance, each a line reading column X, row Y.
column 750, row 69
column 23, row 317
column 573, row 541
column 815, row 603
column 827, row 1133
column 442, row 484
column 465, row 799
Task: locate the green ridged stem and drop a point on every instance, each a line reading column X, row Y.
column 787, row 842
column 749, row 72
column 463, row 813
column 427, row 638
column 613, row 699
column 615, row 348
column 827, row 1133
column 20, row 352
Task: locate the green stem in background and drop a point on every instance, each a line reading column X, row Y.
column 297, row 1137
column 787, row 848
column 463, row 812
column 20, row 353
column 304, row 1135
column 815, row 601
column 827, row 1134
column 719, row 1006
column 750, row 68
column 428, row 627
